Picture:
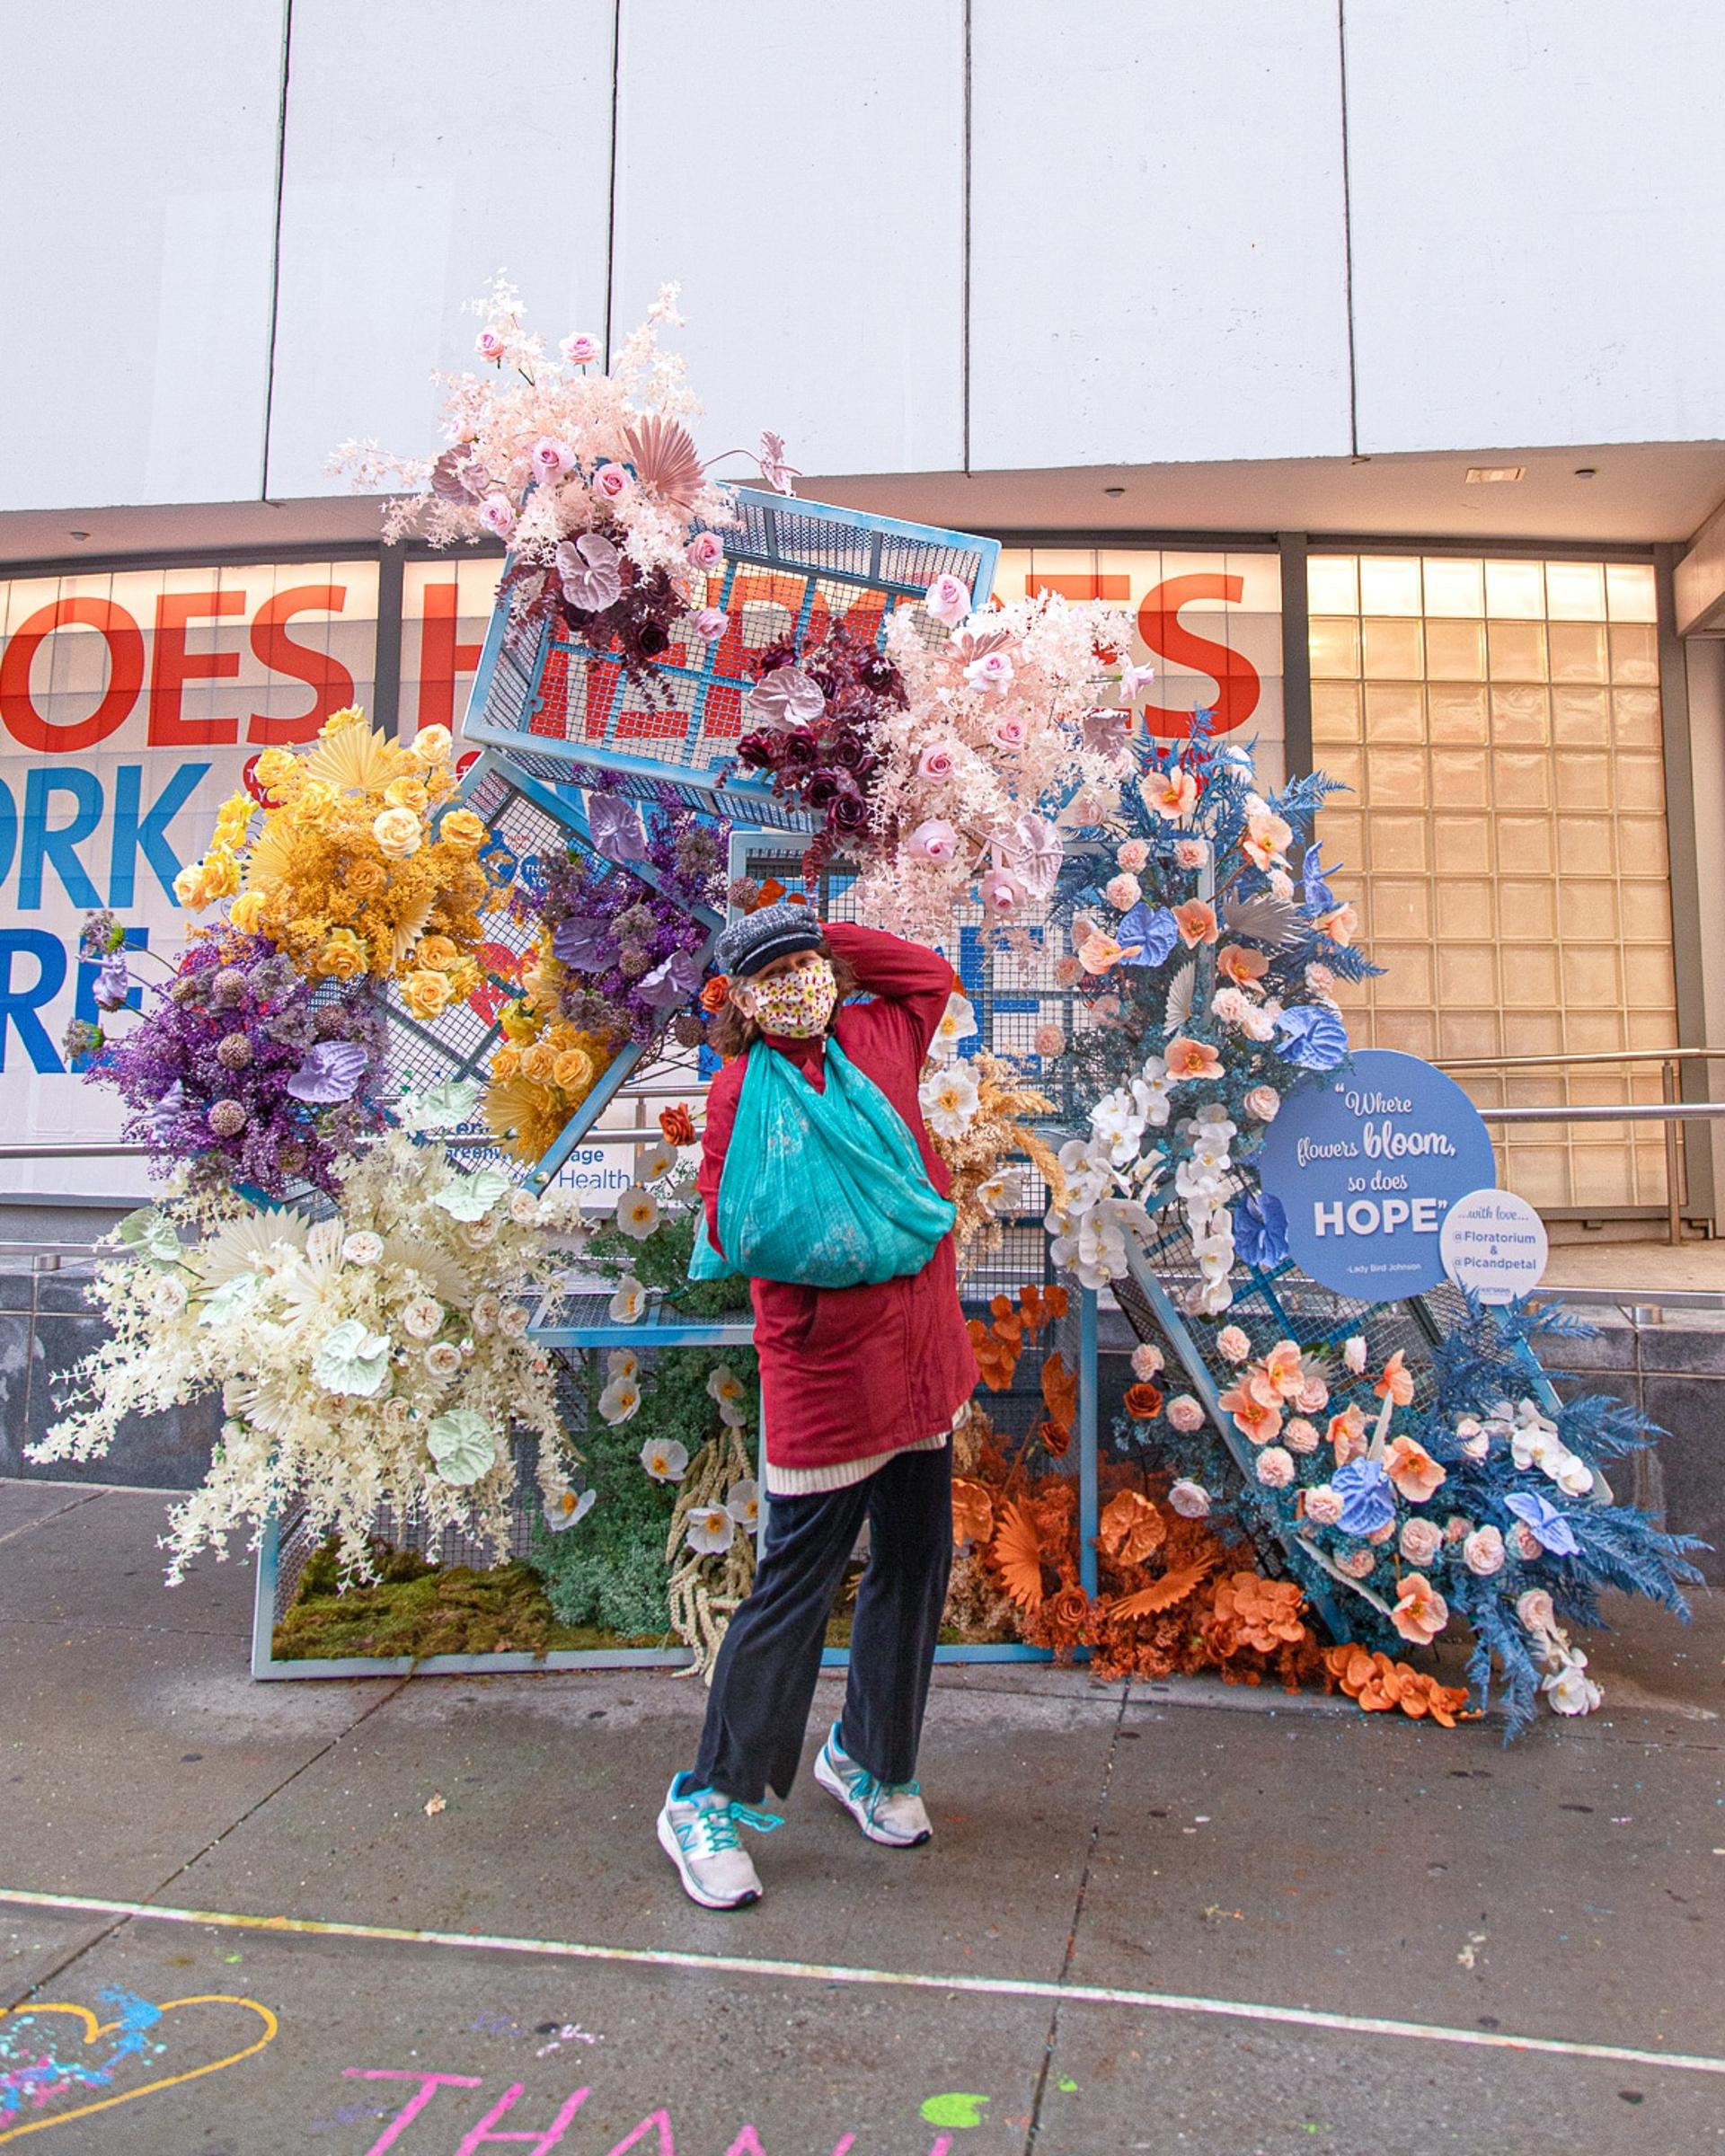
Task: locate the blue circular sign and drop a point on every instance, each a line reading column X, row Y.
column 1367, row 1164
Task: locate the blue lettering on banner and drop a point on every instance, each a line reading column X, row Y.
column 147, row 833
column 19, row 1007
column 1367, row 1165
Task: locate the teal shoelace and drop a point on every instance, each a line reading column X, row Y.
column 715, row 1825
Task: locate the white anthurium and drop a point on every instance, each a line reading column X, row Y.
column 709, row 1529
column 463, row 1443
column 351, row 1358
column 469, row 1198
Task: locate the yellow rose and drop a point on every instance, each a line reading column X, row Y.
column 274, row 767
column 439, row 952
column 221, row 873
column 343, row 955
column 232, row 819
column 365, row 878
column 314, row 801
column 462, row 827
column 350, row 714
column 539, row 1063
column 398, row 834
column 407, row 793
column 425, row 993
column 507, row 1061
column 439, row 784
column 431, row 745
column 574, row 1071
column 464, row 979
column 246, row 912
column 192, row 887
column 518, row 1022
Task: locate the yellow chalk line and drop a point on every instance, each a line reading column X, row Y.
column 814, row 1972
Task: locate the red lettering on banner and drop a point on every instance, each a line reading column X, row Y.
column 1103, row 585
column 172, row 666
column 125, row 643
column 320, row 671
column 442, row 655
column 1237, row 681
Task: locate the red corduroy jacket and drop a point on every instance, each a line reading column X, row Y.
column 848, row 1371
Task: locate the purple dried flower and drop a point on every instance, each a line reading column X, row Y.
column 234, row 1051
column 228, row 987
column 227, row 1118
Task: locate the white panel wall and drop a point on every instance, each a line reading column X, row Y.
column 1158, row 270
column 137, row 170
column 431, row 143
column 797, row 167
column 1538, row 198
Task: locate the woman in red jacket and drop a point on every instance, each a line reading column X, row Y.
column 859, row 1388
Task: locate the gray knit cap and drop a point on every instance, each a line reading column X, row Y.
column 772, row 933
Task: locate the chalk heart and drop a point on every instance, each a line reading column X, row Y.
column 29, row 2036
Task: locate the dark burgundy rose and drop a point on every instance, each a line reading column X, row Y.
column 849, row 812
column 799, row 749
column 650, row 639
column 821, row 788
column 849, row 751
column 878, row 673
column 759, row 751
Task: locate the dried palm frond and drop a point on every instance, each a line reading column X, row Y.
column 1016, row 1555
column 1265, row 919
column 356, row 759
column 270, row 859
column 1161, row 1593
column 665, row 461
column 255, row 1235
column 1180, row 989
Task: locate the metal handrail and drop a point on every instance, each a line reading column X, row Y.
column 1519, row 1063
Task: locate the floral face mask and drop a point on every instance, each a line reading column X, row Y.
column 797, row 1005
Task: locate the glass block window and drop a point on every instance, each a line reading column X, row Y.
column 1505, row 840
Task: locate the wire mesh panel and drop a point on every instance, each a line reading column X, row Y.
column 792, row 569
column 527, row 822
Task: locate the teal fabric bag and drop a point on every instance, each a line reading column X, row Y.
column 825, row 1189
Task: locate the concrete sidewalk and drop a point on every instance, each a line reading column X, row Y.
column 1158, row 1919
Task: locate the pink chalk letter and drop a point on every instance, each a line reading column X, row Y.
column 662, row 2120
column 429, row 2083
column 543, row 2142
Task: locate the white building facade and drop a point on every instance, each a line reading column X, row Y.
column 1371, row 349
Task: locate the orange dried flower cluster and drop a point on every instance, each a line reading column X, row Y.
column 1130, row 1528
column 1378, row 1684
column 1060, row 1398
column 1251, row 1611
column 1011, row 1327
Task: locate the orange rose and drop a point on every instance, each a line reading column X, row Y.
column 1143, row 1403
column 677, row 1125
column 715, row 993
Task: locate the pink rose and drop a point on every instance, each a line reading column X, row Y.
column 1068, row 970
column 497, row 515
column 1482, row 1553
column 1353, row 1352
column 611, row 482
column 1123, row 891
column 551, row 458
column 1320, row 980
column 993, row 672
column 706, row 551
column 490, row 344
column 1189, row 1499
column 1313, row 1396
column 1001, row 892
column 1323, row 1506
column 1262, row 1103
column 1048, row 1040
column 1133, row 855
column 1357, row 1564
column 1234, row 1342
column 1300, row 1436
column 1536, row 1611
column 934, row 765
column 948, row 600
column 1185, row 1415
column 580, row 351
column 710, row 624
column 935, row 840
column 1421, row 1540
column 1191, row 852
column 1010, row 735
column 1275, row 1467
column 1147, row 1360
column 1526, row 1542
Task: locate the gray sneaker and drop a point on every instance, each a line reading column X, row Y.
column 889, row 1812
column 698, row 1832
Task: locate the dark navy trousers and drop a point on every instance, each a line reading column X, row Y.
column 764, row 1683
